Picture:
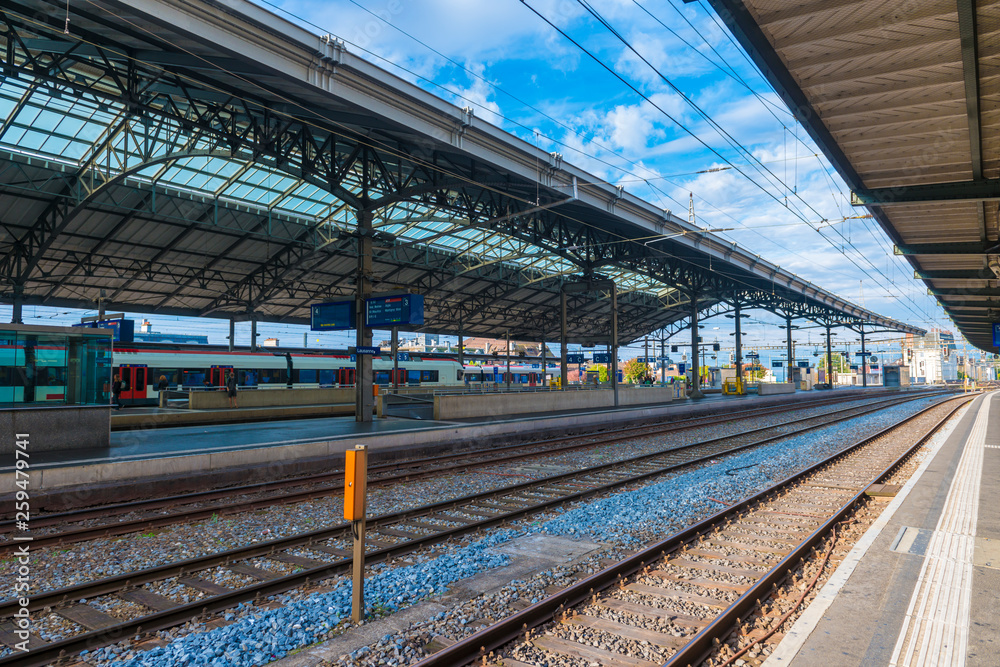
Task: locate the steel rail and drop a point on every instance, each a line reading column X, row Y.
column 186, row 612
column 185, row 567
column 701, row 644
column 55, row 518
column 147, row 523
column 489, row 639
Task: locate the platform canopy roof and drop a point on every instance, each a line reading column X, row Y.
column 209, row 158
column 903, row 99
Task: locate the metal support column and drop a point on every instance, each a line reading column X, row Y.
column 662, row 361
column 791, row 353
column 563, row 368
column 15, row 317
column 363, row 397
column 829, row 358
column 395, row 359
column 253, row 332
column 695, row 378
column 544, row 363
column 508, row 360
column 614, row 341
column 461, row 345
column 739, row 347
column 864, row 362
column 232, row 334
column 646, row 358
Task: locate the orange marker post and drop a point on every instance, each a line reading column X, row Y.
column 355, row 489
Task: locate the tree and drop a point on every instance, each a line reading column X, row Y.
column 602, row 372
column 840, row 364
column 634, row 371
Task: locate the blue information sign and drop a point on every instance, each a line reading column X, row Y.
column 681, row 368
column 123, row 330
column 333, row 316
column 367, row 349
column 996, row 334
column 602, row 358
column 394, row 311
column 777, row 364
column 574, row 359
column 402, row 356
column 803, row 364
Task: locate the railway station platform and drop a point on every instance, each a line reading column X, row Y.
column 132, row 418
column 923, row 585
column 192, row 457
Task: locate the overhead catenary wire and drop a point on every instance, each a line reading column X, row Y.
column 535, row 132
column 722, row 132
column 753, row 66
column 388, row 149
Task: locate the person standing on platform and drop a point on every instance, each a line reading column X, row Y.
column 162, row 384
column 116, row 391
column 231, row 389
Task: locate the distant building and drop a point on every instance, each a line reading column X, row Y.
column 270, row 342
column 932, row 358
column 145, row 334
column 498, row 347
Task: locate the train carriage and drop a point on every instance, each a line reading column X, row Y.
column 487, row 375
column 187, row 367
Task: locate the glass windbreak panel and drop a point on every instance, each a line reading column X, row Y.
column 8, row 368
column 40, row 370
column 88, row 374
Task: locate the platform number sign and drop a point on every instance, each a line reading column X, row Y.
column 996, row 334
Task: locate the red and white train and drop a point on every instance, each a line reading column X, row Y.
column 141, row 365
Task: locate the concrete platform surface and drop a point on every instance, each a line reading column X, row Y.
column 149, row 443
column 922, row 588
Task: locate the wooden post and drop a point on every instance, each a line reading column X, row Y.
column 355, row 492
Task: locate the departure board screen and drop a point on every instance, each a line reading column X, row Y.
column 333, row 316
column 394, row 311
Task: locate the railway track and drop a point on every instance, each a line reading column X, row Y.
column 198, row 506
column 673, row 602
column 319, row 555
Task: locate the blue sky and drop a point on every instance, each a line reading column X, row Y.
column 712, row 126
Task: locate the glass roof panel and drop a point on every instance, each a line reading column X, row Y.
column 67, row 128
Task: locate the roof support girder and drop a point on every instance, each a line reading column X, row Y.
column 969, row 248
column 978, row 190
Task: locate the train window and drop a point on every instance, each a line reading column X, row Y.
column 194, row 378
column 458, row 374
column 428, row 376
column 173, row 375
column 382, row 377
column 248, row 378
column 327, row 376
column 306, row 375
column 273, row 376
column 413, row 377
